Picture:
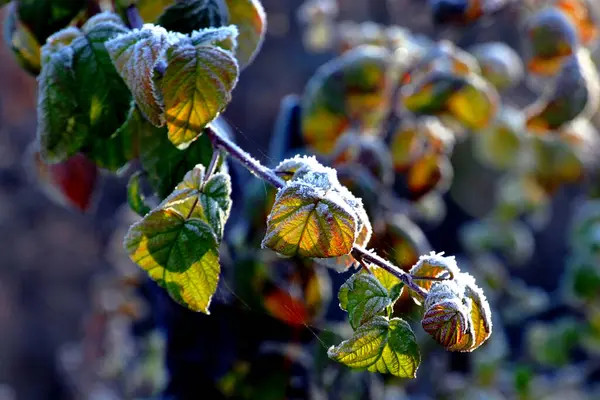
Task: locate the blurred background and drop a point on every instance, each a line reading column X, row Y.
column 49, row 255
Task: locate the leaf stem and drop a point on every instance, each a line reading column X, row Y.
column 269, row 176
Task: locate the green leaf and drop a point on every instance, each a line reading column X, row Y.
column 115, row 152
column 21, row 41
column 396, row 291
column 365, row 347
column 363, row 297
column 135, row 197
column 250, row 18
column 44, row 17
column 209, row 201
column 103, row 97
column 135, row 55
column 61, row 128
column 196, row 87
column 82, row 99
column 310, row 222
column 180, row 255
column 381, row 346
column 164, row 163
column 186, row 16
column 400, row 356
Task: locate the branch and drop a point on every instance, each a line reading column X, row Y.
column 269, row 176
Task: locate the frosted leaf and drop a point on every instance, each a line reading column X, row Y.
column 59, row 40
column 433, row 265
column 310, row 222
column 196, row 88
column 383, row 346
column 224, row 37
column 363, row 297
column 135, row 55
column 105, row 18
column 250, row 18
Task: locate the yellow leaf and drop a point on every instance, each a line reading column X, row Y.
column 310, row 222
column 180, row 255
column 249, row 16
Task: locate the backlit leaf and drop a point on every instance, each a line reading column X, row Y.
column 433, row 266
column 135, row 55
column 381, row 346
column 475, row 104
column 250, row 18
column 353, row 87
column 186, row 16
column 400, row 356
column 481, row 316
column 71, row 183
column 550, row 38
column 363, row 297
column 208, row 200
column 180, row 254
column 135, row 197
column 574, row 93
column 448, row 323
column 365, row 347
column 310, row 222
column 21, row 41
column 164, row 164
column 196, row 87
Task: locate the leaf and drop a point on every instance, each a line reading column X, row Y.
column 574, row 93
column 365, row 347
column 400, row 356
column 363, row 297
column 180, row 254
column 186, row 16
column 45, row 17
column 71, row 183
column 381, row 346
column 353, row 87
column 135, row 197
column 481, row 316
column 500, row 64
column 21, row 41
column 164, row 163
column 309, row 222
column 82, row 98
column 196, row 87
column 103, row 97
column 430, row 94
column 250, row 18
column 61, row 129
column 448, row 323
column 209, row 201
column 433, row 265
column 475, row 104
column 121, row 147
column 551, row 37
column 135, row 55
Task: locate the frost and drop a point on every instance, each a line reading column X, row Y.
column 434, row 259
column 106, row 19
column 225, row 37
column 135, row 55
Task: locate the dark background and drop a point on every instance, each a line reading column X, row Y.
column 48, row 255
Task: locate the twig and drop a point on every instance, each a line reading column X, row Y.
column 269, row 176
